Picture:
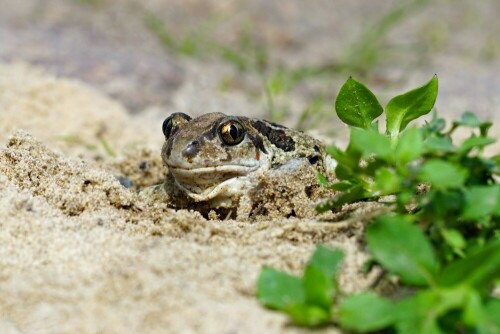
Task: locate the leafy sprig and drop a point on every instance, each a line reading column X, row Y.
column 308, row 301
column 461, row 209
column 442, row 238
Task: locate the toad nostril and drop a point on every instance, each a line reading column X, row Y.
column 191, row 149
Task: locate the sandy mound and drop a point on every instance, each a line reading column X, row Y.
column 80, row 253
column 66, row 114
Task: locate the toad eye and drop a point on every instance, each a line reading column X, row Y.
column 231, row 132
column 167, row 127
column 171, row 122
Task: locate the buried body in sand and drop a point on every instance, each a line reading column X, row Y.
column 81, row 253
column 227, row 162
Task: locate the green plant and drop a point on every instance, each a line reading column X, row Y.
column 442, row 237
column 461, row 209
column 308, row 301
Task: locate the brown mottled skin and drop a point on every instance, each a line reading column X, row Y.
column 217, row 158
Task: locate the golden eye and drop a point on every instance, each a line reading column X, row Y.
column 172, row 121
column 231, row 132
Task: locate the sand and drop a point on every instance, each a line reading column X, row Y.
column 79, row 253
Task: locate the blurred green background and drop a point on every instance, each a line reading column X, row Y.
column 283, row 61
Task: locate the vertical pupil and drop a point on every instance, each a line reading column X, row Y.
column 166, row 127
column 233, row 131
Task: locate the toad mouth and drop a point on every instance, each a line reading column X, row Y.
column 213, row 170
column 226, row 188
column 205, row 183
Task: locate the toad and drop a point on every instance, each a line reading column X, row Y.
column 216, row 161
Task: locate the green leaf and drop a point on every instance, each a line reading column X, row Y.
column 318, row 288
column 410, row 146
column 414, row 316
column 338, row 186
column 435, row 126
column 455, row 240
column 481, row 201
column 369, row 142
column 370, row 168
column 420, row 313
column 342, row 172
column 341, row 186
column 387, row 181
column 484, row 127
column 477, row 270
column 356, row 105
column 343, row 158
column 440, row 205
column 353, row 194
column 308, row 315
column 403, row 249
column 327, row 260
column 438, row 145
column 474, row 313
column 474, row 142
column 496, row 167
column 492, row 310
column 322, row 180
column 278, row 290
column 442, row 174
column 366, row 312
column 319, row 275
column 470, row 120
column 404, row 108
